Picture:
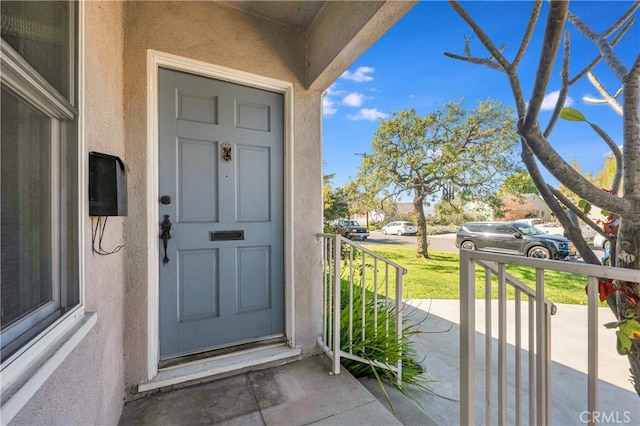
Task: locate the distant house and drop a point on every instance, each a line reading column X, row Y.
column 542, row 209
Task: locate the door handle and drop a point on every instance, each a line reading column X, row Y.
column 165, row 226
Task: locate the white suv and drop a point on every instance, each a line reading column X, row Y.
column 399, row 228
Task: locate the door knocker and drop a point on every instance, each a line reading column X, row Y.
column 226, row 152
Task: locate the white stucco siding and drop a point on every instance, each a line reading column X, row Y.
column 221, row 36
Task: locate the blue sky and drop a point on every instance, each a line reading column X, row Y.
column 406, row 68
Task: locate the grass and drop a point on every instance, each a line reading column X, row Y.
column 439, row 277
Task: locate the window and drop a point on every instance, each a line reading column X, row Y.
column 38, row 169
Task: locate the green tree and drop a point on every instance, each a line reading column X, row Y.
column 446, row 149
column 335, row 201
column 518, row 184
column 560, row 25
column 605, row 177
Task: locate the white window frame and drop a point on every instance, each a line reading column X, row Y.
column 28, row 369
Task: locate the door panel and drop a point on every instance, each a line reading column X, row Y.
column 221, row 162
column 253, row 184
column 198, row 180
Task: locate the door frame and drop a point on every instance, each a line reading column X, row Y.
column 155, row 60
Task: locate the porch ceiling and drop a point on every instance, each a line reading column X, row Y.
column 335, row 33
column 296, row 14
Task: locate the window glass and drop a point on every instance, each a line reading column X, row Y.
column 40, row 32
column 39, row 258
column 505, row 229
column 26, row 208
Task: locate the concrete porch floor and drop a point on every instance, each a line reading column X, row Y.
column 298, row 393
column 303, row 393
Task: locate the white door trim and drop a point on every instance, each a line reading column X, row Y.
column 156, row 59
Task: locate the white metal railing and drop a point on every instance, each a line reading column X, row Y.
column 537, row 383
column 353, row 274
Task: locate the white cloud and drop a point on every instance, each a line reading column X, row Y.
column 353, row 99
column 550, row 100
column 334, row 91
column 328, row 106
column 360, row 75
column 371, row 114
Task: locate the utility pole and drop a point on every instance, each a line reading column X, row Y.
column 364, row 155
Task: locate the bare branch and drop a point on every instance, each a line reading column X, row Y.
column 622, row 19
column 566, row 174
column 586, row 219
column 598, row 58
column 606, row 51
column 611, row 100
column 489, row 62
column 482, row 36
column 552, row 35
column 533, row 19
column 548, row 197
column 617, row 154
column 595, row 101
column 564, row 90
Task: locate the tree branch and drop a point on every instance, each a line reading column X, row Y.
column 573, row 180
column 622, row 19
column 482, row 36
column 552, row 36
column 598, row 58
column 612, row 101
column 489, row 62
column 586, row 219
column 564, row 90
column 533, row 19
column 606, row 51
column 617, row 154
column 575, row 235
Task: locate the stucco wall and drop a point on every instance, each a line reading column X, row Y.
column 88, row 387
column 222, row 36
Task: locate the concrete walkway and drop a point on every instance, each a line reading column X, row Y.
column 618, row 402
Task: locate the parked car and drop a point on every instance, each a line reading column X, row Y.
column 399, row 228
column 514, row 238
column 351, row 229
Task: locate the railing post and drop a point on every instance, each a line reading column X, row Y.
column 592, row 345
column 542, row 352
column 467, row 339
column 399, row 320
column 336, row 306
column 502, row 345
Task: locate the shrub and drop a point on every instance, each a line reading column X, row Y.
column 378, row 343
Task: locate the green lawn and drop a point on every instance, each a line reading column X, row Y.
column 439, row 277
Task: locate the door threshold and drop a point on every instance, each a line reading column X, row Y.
column 219, row 367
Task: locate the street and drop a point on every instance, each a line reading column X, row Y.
column 442, row 242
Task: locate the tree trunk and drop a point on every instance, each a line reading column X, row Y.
column 422, row 227
column 627, row 255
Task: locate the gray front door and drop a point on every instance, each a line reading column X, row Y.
column 221, row 186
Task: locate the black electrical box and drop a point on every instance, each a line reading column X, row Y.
column 107, row 185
